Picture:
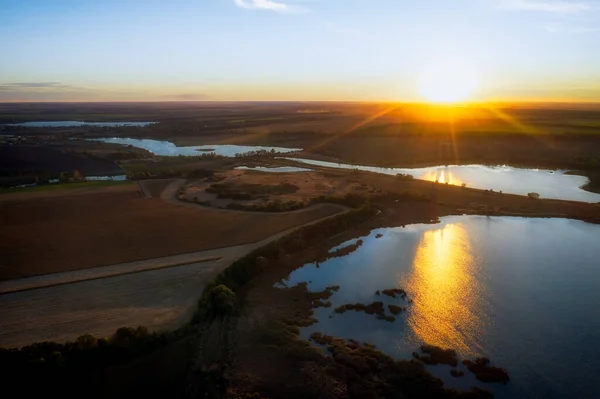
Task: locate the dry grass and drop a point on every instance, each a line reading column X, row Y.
column 308, row 185
column 47, row 234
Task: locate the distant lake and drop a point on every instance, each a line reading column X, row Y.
column 280, row 169
column 523, row 292
column 166, row 148
column 78, row 123
column 547, row 183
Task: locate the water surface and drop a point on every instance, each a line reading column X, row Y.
column 508, row 179
column 523, row 292
column 166, row 148
column 78, row 123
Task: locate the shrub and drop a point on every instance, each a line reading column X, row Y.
column 222, row 300
column 402, row 176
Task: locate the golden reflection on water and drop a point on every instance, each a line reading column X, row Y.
column 442, row 176
column 445, row 291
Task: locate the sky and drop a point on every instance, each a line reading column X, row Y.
column 297, row 50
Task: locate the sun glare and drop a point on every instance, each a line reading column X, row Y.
column 448, row 83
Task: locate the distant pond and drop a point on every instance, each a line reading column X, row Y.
column 523, row 292
column 78, row 123
column 166, row 148
column 508, row 179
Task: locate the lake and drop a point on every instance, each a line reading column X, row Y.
column 166, row 148
column 78, row 123
column 523, row 292
column 547, row 183
column 280, row 169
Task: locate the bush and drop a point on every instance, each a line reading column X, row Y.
column 222, row 300
column 243, row 270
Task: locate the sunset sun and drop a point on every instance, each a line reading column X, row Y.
column 448, row 83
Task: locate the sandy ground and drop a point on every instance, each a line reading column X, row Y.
column 310, row 185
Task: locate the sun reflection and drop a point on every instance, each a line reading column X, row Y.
column 445, row 309
column 442, row 176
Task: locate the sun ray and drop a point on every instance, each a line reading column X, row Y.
column 357, row 126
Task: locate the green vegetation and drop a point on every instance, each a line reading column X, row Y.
column 365, row 372
column 486, row 373
column 395, row 310
column 374, row 308
column 274, row 206
column 65, row 186
column 395, row 291
column 250, row 191
column 436, row 355
column 246, row 268
column 321, row 304
column 76, row 367
column 220, row 300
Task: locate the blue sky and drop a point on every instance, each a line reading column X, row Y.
column 79, row 50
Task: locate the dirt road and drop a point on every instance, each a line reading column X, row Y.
column 160, row 293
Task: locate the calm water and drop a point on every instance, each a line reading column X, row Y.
column 549, row 184
column 78, row 123
column 280, row 169
column 523, row 292
column 166, row 148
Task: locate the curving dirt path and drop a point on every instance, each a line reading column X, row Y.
column 169, row 195
column 159, row 293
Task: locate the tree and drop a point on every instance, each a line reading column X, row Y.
column 222, row 300
column 533, row 196
column 262, row 262
column 86, row 341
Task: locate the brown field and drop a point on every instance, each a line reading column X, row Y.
column 47, row 234
column 523, row 134
column 308, row 185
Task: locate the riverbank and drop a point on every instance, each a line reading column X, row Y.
column 256, row 348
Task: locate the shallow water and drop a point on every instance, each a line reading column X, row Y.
column 78, row 123
column 547, row 183
column 166, row 148
column 523, row 292
column 280, row 169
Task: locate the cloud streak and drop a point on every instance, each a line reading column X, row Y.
column 551, row 6
column 36, row 85
column 270, row 5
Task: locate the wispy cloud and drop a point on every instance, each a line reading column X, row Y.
column 552, row 6
column 36, row 85
column 42, row 91
column 270, row 5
